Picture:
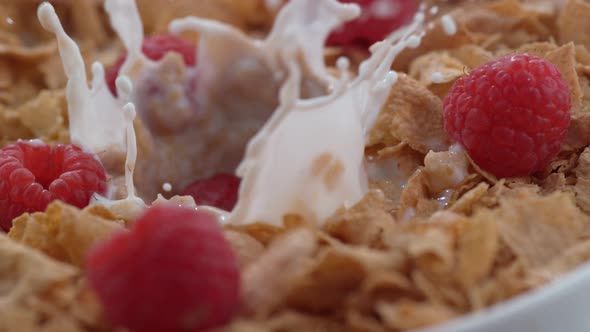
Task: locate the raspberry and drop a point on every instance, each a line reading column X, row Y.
column 511, row 114
column 220, row 190
column 378, row 19
column 32, row 174
column 155, row 48
column 172, row 271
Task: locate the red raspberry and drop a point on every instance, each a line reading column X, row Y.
column 220, row 190
column 511, row 114
column 32, row 174
column 378, row 19
column 172, row 271
column 155, row 48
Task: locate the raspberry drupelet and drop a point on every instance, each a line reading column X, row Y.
column 510, row 114
column 173, row 271
column 154, row 48
column 377, row 20
column 33, row 174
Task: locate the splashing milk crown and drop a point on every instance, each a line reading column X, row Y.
column 308, row 158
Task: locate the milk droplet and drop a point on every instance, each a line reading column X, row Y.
column 219, row 214
column 384, row 8
column 9, row 20
column 436, row 77
column 95, row 116
column 444, row 198
column 449, row 26
column 167, row 187
column 433, row 10
column 124, row 87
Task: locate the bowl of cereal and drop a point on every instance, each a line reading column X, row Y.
column 375, row 165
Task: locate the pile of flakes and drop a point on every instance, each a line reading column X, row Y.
column 434, row 239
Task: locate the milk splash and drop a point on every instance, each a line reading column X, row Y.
column 308, row 159
column 300, row 25
column 126, row 21
column 96, row 121
column 131, row 205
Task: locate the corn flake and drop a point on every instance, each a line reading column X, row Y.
column 38, row 293
column 538, row 228
column 414, row 116
column 64, row 232
column 574, row 17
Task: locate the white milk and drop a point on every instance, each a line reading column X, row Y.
column 96, row 118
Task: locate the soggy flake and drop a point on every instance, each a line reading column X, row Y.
column 63, row 232
column 415, row 199
column 446, row 170
column 391, row 167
